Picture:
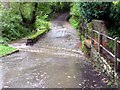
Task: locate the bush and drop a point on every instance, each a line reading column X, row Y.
column 95, row 10
column 60, row 6
column 107, row 11
column 20, row 19
column 41, row 23
column 75, row 19
column 11, row 27
column 114, row 27
column 3, row 41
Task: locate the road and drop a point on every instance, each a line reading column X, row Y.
column 55, row 61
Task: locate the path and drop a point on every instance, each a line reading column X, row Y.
column 55, row 61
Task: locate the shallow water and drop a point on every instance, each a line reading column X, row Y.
column 55, row 61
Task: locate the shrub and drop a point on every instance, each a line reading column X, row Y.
column 114, row 27
column 11, row 27
column 60, row 6
column 75, row 19
column 95, row 10
column 42, row 23
column 20, row 19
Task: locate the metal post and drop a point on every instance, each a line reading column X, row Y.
column 99, row 42
column 115, row 53
column 118, row 56
column 115, row 58
column 92, row 37
column 80, row 30
column 86, row 32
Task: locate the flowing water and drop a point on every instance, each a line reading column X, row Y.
column 55, row 61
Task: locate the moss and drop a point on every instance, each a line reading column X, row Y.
column 5, row 50
column 38, row 33
column 90, row 25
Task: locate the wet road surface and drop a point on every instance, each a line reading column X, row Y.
column 55, row 61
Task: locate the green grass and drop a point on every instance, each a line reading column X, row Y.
column 5, row 50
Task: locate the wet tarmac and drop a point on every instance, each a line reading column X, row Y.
column 55, row 61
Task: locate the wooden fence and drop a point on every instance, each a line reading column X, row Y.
column 90, row 34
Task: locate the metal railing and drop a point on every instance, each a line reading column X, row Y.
column 89, row 33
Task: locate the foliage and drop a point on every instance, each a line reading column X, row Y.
column 30, row 12
column 42, row 23
column 74, row 22
column 95, row 10
column 3, row 41
column 26, row 9
column 21, row 19
column 5, row 50
column 84, row 49
column 59, row 6
column 107, row 11
column 75, row 19
column 111, row 45
column 11, row 27
column 114, row 24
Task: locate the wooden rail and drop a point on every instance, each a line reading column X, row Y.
column 100, row 47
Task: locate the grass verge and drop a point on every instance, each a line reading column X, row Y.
column 6, row 50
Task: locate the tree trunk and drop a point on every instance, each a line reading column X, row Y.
column 33, row 18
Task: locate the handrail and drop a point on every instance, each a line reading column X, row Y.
column 107, row 51
column 99, row 43
column 95, row 41
column 103, row 35
column 88, row 36
column 118, row 42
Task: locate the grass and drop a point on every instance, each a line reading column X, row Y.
column 5, row 50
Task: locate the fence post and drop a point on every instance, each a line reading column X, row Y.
column 118, row 63
column 115, row 58
column 82, row 29
column 92, row 37
column 115, row 53
column 118, row 56
column 86, row 31
column 99, row 42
